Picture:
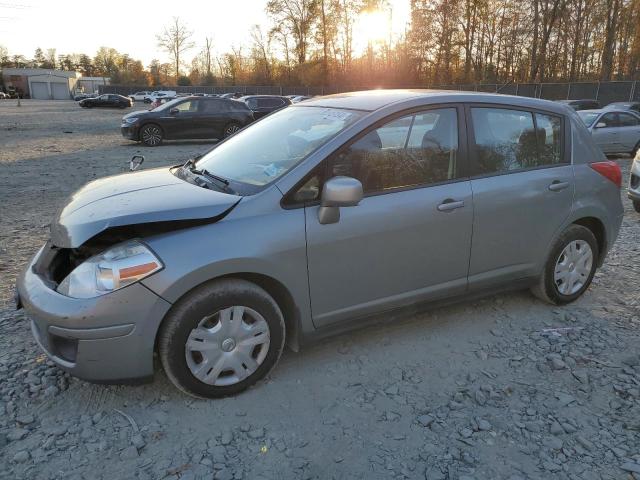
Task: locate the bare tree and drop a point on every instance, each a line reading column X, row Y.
column 175, row 40
column 207, row 53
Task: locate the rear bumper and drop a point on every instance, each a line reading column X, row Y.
column 108, row 339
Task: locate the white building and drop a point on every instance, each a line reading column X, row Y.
column 42, row 83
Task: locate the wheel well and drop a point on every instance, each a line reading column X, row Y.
column 282, row 297
column 597, row 228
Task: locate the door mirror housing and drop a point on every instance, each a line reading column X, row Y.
column 600, row 125
column 174, row 111
column 338, row 192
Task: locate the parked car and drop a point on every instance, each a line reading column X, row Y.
column 160, row 94
column 139, row 96
column 342, row 208
column 634, row 183
column 633, row 106
column 613, row 131
column 3, row 95
column 106, row 100
column 82, row 96
column 300, row 98
column 581, row 104
column 182, row 118
column 262, row 105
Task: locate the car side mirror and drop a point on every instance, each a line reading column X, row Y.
column 600, row 125
column 174, row 111
column 338, row 192
column 135, row 162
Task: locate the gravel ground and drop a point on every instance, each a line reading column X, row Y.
column 502, row 388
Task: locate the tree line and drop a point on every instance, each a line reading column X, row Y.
column 311, row 43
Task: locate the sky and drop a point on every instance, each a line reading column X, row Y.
column 131, row 26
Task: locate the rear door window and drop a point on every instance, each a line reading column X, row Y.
column 508, row 140
column 212, row 106
column 627, row 120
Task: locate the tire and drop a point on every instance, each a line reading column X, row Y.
column 636, row 205
column 635, row 150
column 230, row 129
column 198, row 318
column 151, row 135
column 551, row 288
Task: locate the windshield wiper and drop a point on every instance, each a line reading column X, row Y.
column 191, row 166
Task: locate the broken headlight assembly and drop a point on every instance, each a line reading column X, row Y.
column 111, row 270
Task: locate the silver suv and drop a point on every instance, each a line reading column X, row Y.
column 335, row 210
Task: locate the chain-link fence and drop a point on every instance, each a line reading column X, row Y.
column 604, row 92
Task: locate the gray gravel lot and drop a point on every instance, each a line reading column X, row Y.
column 502, row 388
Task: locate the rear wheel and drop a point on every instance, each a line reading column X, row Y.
column 151, row 135
column 231, row 129
column 570, row 267
column 221, row 338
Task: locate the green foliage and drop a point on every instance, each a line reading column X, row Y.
column 183, row 80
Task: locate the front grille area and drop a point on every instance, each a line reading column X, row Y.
column 54, row 264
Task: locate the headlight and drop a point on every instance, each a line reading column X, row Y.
column 130, row 120
column 113, row 269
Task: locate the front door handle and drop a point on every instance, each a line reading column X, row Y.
column 450, row 204
column 557, row 185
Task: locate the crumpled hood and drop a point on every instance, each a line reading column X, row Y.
column 145, row 197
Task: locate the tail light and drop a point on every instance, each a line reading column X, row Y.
column 610, row 170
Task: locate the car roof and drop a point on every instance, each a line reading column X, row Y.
column 371, row 100
column 262, row 96
column 594, row 110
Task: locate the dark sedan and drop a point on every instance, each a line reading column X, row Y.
column 187, row 118
column 262, row 105
column 578, row 105
column 107, row 100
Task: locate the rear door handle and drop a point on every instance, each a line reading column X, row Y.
column 449, row 204
column 557, row 185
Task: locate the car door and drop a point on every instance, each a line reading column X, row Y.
column 522, row 190
column 409, row 238
column 102, row 101
column 181, row 120
column 214, row 116
column 628, row 131
column 605, row 132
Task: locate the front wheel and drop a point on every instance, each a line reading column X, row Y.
column 221, row 338
column 636, row 205
column 231, row 129
column 151, row 135
column 570, row 267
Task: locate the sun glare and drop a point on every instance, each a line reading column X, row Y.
column 370, row 28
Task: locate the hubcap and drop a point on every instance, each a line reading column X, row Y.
column 151, row 135
column 573, row 267
column 228, row 346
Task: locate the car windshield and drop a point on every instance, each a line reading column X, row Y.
column 588, row 117
column 268, row 149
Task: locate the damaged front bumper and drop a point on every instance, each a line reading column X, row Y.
column 107, row 339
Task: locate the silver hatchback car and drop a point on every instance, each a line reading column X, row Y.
column 326, row 214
